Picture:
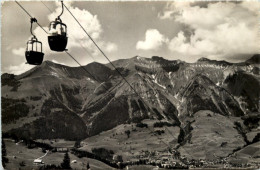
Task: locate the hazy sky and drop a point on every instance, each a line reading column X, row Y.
column 173, row 30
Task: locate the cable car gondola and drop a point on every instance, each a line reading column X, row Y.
column 58, row 34
column 32, row 53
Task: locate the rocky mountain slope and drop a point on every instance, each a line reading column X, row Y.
column 67, row 102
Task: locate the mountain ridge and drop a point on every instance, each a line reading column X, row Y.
column 255, row 59
column 159, row 82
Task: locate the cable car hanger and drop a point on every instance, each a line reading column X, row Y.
column 57, row 38
column 61, row 11
column 33, row 20
column 32, row 54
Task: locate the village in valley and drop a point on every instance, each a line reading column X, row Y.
column 125, row 153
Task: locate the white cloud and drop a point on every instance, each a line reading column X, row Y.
column 172, row 8
column 19, row 69
column 221, row 29
column 253, row 6
column 153, row 40
column 19, row 51
column 110, row 47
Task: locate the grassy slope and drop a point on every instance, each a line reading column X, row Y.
column 209, row 133
column 249, row 154
column 142, row 139
column 28, row 155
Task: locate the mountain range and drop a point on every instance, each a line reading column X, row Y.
column 58, row 101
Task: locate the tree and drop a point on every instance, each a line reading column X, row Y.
column 127, row 132
column 256, row 138
column 22, row 163
column 15, row 138
column 181, row 136
column 88, row 167
column 66, row 162
column 4, row 159
column 77, row 144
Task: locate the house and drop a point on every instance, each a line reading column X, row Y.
column 166, row 165
column 117, row 158
column 61, row 149
column 38, row 161
column 164, row 158
column 158, row 161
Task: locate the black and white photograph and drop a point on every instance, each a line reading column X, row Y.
column 130, row 85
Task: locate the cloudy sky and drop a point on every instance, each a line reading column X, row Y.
column 173, row 30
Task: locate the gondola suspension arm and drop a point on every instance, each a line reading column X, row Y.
column 32, row 21
column 58, row 18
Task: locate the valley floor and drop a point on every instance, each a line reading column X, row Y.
column 212, row 143
column 20, row 153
